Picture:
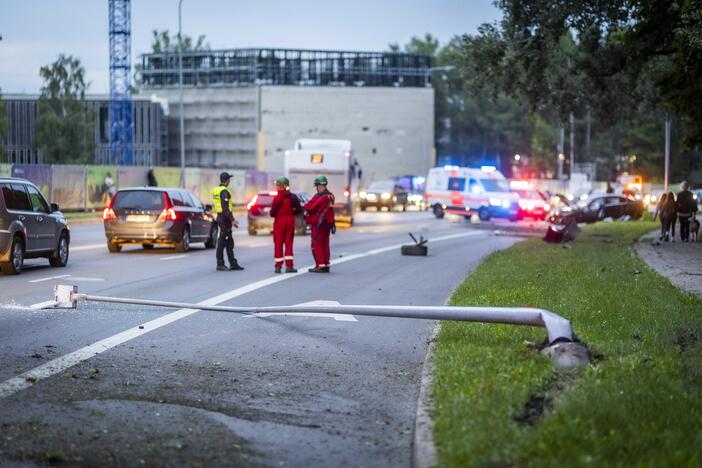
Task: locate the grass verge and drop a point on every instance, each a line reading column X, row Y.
column 499, row 402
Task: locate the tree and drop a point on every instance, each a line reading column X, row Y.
column 164, row 42
column 64, row 126
column 3, row 126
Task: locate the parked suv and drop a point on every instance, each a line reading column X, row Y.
column 30, row 227
column 259, row 213
column 150, row 216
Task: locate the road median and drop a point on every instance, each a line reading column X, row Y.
column 499, row 401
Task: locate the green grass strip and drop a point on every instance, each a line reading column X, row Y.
column 499, row 402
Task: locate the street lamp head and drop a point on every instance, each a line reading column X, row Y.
column 517, row 157
column 561, row 156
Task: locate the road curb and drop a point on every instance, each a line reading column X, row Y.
column 77, row 221
column 423, row 448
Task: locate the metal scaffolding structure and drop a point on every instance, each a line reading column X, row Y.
column 121, row 150
column 295, row 67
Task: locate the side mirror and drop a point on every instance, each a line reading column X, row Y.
column 208, row 207
column 54, row 207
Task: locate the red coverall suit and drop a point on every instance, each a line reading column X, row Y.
column 285, row 206
column 320, row 217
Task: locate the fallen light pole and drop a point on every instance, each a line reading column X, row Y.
column 562, row 348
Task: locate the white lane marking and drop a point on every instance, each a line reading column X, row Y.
column 337, row 317
column 259, row 244
column 88, row 247
column 60, row 364
column 48, row 279
column 86, row 279
column 174, row 257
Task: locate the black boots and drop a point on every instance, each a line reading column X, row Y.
column 290, row 270
column 234, row 266
column 278, row 269
column 319, row 270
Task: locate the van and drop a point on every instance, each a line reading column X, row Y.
column 467, row 191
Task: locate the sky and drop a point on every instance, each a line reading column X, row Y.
column 35, row 32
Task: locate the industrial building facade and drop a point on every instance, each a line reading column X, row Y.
column 244, row 107
column 150, row 130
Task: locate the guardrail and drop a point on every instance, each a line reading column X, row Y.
column 563, row 348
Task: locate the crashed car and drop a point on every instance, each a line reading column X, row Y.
column 599, row 208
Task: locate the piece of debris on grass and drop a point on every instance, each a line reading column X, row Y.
column 36, row 356
column 31, row 379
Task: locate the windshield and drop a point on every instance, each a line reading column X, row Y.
column 381, row 186
column 495, row 185
column 139, row 200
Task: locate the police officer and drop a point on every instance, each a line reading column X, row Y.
column 222, row 205
column 319, row 214
column 285, row 206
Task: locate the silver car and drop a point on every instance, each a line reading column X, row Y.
column 30, row 227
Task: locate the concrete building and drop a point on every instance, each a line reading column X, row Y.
column 149, row 129
column 244, row 107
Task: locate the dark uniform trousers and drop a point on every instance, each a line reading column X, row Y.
column 225, row 239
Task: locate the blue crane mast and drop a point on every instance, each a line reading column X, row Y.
column 121, row 150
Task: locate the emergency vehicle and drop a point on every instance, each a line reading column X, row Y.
column 331, row 158
column 466, row 191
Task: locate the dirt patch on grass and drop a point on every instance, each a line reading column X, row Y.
column 532, row 412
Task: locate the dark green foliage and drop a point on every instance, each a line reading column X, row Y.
column 64, row 126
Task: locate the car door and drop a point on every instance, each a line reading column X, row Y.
column 45, row 223
column 614, row 207
column 200, row 220
column 21, row 209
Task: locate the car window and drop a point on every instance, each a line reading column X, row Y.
column 194, row 201
column 495, row 185
column 39, row 205
column 21, row 199
column 457, row 183
column 8, row 196
column 139, row 200
column 176, row 198
column 474, row 186
column 596, row 204
column 264, row 199
column 381, row 185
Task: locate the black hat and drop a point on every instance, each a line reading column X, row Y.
column 224, row 176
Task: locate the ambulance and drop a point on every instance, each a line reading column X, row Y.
column 334, row 159
column 467, row 191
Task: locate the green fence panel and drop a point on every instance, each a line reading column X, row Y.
column 100, row 185
column 68, row 186
column 131, row 176
column 167, row 176
column 5, row 170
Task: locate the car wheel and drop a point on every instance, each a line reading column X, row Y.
column 484, row 214
column 148, row 246
column 252, row 231
column 363, row 207
column 14, row 266
column 184, row 244
column 438, row 211
column 212, row 240
column 114, row 247
column 404, row 206
column 60, row 257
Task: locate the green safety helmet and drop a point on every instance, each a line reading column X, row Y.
column 321, row 180
column 282, row 181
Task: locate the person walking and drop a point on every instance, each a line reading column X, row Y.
column 319, row 215
column 666, row 211
column 286, row 206
column 222, row 206
column 686, row 207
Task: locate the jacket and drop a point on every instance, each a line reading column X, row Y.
column 285, row 203
column 320, row 209
column 685, row 204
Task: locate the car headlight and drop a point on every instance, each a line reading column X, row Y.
column 495, row 202
column 385, row 196
column 363, row 195
column 505, row 204
column 547, row 208
column 523, row 205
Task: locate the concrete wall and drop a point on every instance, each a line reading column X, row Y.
column 392, row 129
column 221, row 125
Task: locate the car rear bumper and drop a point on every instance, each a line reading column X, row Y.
column 165, row 232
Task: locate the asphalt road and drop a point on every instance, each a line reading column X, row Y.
column 107, row 384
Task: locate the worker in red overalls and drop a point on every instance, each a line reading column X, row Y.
column 285, row 206
column 319, row 215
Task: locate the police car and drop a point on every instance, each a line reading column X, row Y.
column 466, row 191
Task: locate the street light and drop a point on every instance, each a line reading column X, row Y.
column 180, row 86
column 517, row 157
column 428, row 71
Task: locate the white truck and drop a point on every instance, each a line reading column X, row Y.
column 331, row 158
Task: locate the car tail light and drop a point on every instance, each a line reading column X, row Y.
column 347, row 191
column 168, row 213
column 252, row 203
column 108, row 214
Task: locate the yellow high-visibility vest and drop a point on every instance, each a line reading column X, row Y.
column 217, row 202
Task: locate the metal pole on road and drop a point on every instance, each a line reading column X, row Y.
column 558, row 328
column 180, row 86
